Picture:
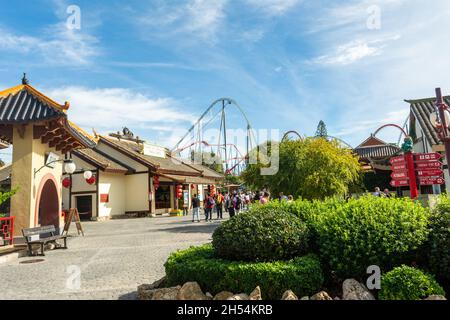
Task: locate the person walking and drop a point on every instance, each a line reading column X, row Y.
column 237, row 203
column 387, row 193
column 265, row 198
column 195, row 208
column 377, row 192
column 219, row 205
column 209, row 207
column 230, row 205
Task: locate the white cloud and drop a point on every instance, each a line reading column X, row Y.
column 349, row 53
column 110, row 109
column 196, row 19
column 274, row 7
column 57, row 45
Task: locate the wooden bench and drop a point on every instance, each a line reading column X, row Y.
column 42, row 236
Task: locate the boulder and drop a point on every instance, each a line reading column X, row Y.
column 224, row 295
column 256, row 294
column 289, row 295
column 241, row 296
column 191, row 291
column 159, row 294
column 155, row 285
column 435, row 297
column 209, row 296
column 322, row 295
column 353, row 290
column 304, row 298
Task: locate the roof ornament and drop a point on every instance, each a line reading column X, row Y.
column 127, row 133
column 24, row 79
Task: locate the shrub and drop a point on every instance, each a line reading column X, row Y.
column 438, row 246
column 407, row 283
column 303, row 275
column 369, row 231
column 262, row 234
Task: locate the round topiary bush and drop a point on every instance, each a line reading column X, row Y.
column 407, row 283
column 438, row 246
column 303, row 275
column 262, row 234
column 354, row 235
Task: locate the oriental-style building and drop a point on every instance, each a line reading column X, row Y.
column 133, row 178
column 425, row 136
column 40, row 133
column 374, row 155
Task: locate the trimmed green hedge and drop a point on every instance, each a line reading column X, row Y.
column 407, row 283
column 262, row 234
column 303, row 275
column 438, row 246
column 370, row 231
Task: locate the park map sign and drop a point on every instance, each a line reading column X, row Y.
column 427, row 170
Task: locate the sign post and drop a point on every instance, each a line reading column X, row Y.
column 412, row 174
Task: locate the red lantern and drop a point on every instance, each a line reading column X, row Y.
column 91, row 180
column 66, row 182
column 179, row 191
column 156, row 182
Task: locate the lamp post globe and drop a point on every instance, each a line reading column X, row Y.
column 87, row 174
column 69, row 166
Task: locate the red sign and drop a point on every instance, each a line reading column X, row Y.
column 400, row 183
column 399, row 175
column 398, row 167
column 104, row 198
column 430, row 173
column 397, row 160
column 427, row 156
column 431, row 181
column 429, row 165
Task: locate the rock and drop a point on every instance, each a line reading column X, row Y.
column 155, row 285
column 322, row 295
column 191, row 291
column 337, row 298
column 256, row 294
column 289, row 295
column 353, row 290
column 209, row 295
column 224, row 295
column 305, row 298
column 435, row 297
column 241, row 296
column 159, row 294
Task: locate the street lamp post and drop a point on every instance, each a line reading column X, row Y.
column 443, row 125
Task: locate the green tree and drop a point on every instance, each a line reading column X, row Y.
column 208, row 159
column 321, row 130
column 311, row 168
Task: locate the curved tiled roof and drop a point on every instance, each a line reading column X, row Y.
column 422, row 109
column 100, row 160
column 377, row 151
column 23, row 107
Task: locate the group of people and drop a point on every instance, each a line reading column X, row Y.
column 385, row 194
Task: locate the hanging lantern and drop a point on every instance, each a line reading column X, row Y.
column 92, row 180
column 69, row 166
column 156, row 182
column 66, row 182
column 179, row 191
column 87, row 174
column 192, row 186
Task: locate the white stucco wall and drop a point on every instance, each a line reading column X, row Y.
column 114, row 185
column 137, row 193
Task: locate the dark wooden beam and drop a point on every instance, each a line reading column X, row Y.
column 39, row 131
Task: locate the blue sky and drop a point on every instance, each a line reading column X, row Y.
column 155, row 65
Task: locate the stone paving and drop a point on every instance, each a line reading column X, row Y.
column 113, row 258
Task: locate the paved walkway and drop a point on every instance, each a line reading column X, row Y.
column 114, row 258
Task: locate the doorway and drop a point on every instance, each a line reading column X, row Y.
column 84, row 207
column 49, row 205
